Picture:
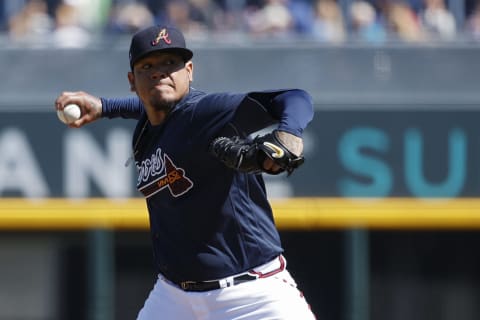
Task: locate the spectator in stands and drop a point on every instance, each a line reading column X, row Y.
column 437, row 21
column 178, row 14
column 208, row 13
column 69, row 32
column 94, row 13
column 272, row 19
column 328, row 25
column 365, row 24
column 32, row 24
column 3, row 17
column 9, row 9
column 129, row 17
column 403, row 23
column 472, row 26
column 303, row 16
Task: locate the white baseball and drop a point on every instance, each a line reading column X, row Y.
column 70, row 113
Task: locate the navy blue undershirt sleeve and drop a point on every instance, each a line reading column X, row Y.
column 293, row 108
column 127, row 108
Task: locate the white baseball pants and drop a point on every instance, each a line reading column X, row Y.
column 269, row 298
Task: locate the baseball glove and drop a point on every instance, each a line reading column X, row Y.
column 249, row 155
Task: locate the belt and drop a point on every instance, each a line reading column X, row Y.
column 200, row 286
column 260, row 272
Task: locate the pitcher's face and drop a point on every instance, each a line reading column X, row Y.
column 161, row 79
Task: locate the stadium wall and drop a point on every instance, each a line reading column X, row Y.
column 380, row 223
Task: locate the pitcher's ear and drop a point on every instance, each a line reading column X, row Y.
column 189, row 68
column 131, row 80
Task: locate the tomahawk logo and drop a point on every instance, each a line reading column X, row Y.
column 173, row 177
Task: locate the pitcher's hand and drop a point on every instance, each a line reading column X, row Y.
column 90, row 105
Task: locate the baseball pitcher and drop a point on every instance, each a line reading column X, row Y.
column 217, row 251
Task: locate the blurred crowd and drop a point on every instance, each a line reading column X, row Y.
column 73, row 23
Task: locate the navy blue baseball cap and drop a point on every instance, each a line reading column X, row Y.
column 158, row 38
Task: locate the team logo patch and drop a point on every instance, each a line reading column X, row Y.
column 171, row 177
column 162, row 35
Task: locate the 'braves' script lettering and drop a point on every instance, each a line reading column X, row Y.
column 150, row 167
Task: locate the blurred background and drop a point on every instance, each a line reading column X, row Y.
column 380, row 223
